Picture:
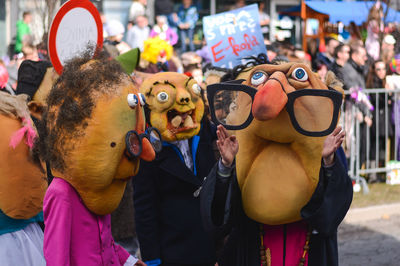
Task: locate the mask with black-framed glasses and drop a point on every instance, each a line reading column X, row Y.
column 134, row 141
column 231, row 105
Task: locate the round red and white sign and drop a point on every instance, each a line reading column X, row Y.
column 76, row 26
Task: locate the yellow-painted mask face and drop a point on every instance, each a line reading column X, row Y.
column 97, row 167
column 93, row 158
column 175, row 104
column 278, row 167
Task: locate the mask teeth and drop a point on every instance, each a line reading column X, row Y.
column 188, row 122
column 176, row 121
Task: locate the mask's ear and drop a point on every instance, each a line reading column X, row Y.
column 139, row 77
column 45, row 86
column 214, row 75
column 332, row 82
column 129, row 60
column 36, row 109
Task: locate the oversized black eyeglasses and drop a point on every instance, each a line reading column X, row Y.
column 231, row 104
column 134, row 140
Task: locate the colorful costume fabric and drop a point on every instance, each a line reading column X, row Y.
column 73, row 234
column 21, row 241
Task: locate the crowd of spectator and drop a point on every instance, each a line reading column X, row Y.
column 360, row 62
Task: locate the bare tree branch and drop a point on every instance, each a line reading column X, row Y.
column 46, row 10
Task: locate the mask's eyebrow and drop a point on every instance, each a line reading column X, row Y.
column 187, row 81
column 165, row 82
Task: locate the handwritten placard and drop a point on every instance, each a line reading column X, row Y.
column 231, row 36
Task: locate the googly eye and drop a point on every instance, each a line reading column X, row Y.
column 258, row 78
column 142, row 99
column 162, row 97
column 132, row 100
column 300, row 74
column 196, row 89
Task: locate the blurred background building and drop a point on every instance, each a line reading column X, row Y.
column 282, row 27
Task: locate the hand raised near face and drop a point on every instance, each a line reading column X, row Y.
column 228, row 146
column 331, row 144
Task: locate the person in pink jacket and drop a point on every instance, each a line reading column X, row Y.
column 163, row 31
column 92, row 136
column 72, row 229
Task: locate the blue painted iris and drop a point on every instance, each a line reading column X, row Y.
column 132, row 100
column 142, row 99
column 300, row 74
column 258, row 78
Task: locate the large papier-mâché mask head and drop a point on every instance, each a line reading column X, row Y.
column 22, row 176
column 175, row 104
column 91, row 108
column 281, row 114
column 23, row 181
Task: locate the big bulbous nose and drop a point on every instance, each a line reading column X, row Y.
column 269, row 100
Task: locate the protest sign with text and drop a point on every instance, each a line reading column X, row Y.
column 231, row 36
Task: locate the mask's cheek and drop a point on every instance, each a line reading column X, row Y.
column 160, row 121
column 199, row 111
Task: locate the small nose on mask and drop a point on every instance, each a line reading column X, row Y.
column 184, row 100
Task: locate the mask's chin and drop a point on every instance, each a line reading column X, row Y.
column 104, row 201
column 127, row 168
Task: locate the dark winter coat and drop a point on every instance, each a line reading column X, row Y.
column 167, row 209
column 380, row 112
column 353, row 75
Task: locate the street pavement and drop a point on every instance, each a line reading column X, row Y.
column 370, row 236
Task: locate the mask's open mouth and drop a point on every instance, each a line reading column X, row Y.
column 178, row 122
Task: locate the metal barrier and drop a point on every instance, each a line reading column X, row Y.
column 370, row 147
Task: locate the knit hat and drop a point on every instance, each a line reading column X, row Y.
column 114, row 28
column 30, row 75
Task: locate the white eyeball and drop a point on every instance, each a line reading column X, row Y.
column 162, row 97
column 142, row 99
column 132, row 100
column 300, row 74
column 258, row 78
column 196, row 89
